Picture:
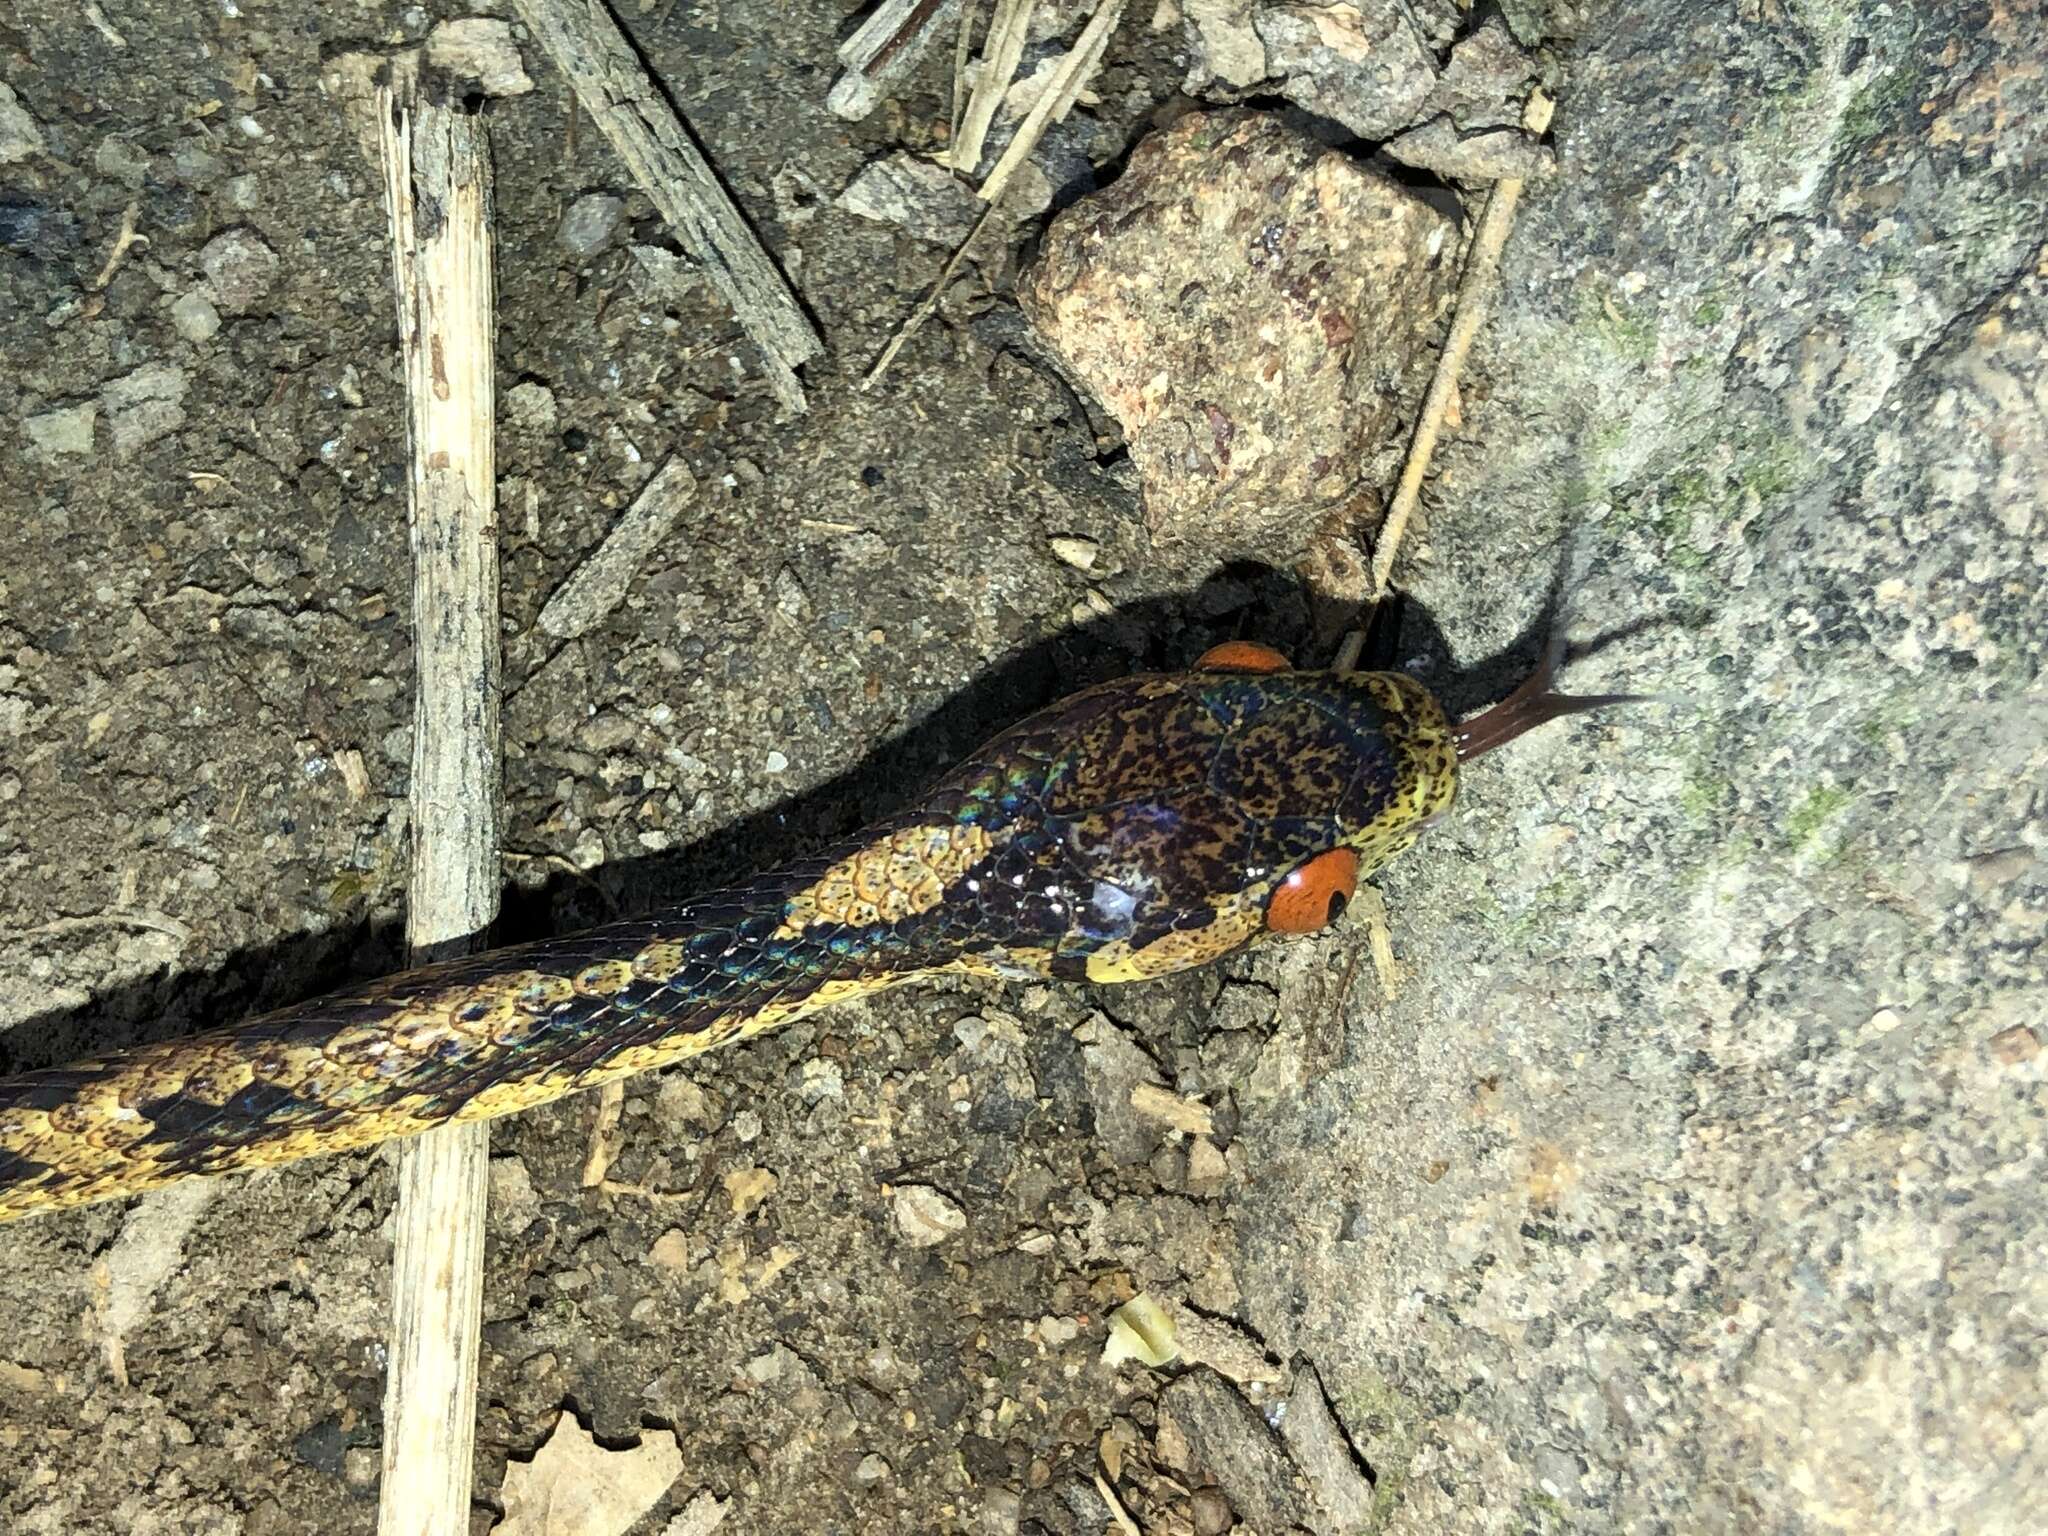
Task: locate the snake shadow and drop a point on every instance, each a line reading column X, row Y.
column 1242, row 601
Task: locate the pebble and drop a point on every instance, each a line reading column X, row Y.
column 589, row 223
column 2016, row 1045
column 20, row 137
column 121, row 160
column 925, row 201
column 195, row 317
column 671, row 1250
column 1212, row 1516
column 240, row 269
column 925, row 1217
column 873, row 1469
column 144, row 405
column 532, row 406
column 65, row 430
column 1078, row 552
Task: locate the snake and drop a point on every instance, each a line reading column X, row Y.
column 1138, row 828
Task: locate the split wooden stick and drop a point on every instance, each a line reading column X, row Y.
column 437, row 184
column 614, row 88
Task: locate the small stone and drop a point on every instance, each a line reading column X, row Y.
column 361, row 1467
column 1359, row 62
column 680, row 1102
column 1324, row 1454
column 589, row 223
column 1078, row 552
column 1494, row 154
column 872, row 1470
column 747, row 1188
column 769, row 1366
column 123, row 161
column 1002, row 1509
column 1206, row 1169
column 244, row 192
column 1251, row 307
column 65, row 430
column 513, row 1200
column 1227, row 1438
column 196, row 165
column 776, row 762
column 240, row 269
column 2016, row 1045
column 925, row 1217
column 531, row 407
column 1487, row 80
column 479, row 50
column 195, row 317
column 923, row 200
column 820, row 1080
column 1211, row 1512
column 671, row 1251
column 20, row 137
column 144, row 405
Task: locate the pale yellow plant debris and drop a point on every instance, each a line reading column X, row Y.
column 748, row 1187
column 1141, row 1330
column 575, row 1487
column 1188, row 1116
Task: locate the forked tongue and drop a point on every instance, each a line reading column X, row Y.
column 1535, row 703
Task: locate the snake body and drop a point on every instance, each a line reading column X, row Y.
column 1137, row 828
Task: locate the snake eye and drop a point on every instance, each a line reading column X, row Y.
column 1314, row 895
column 1241, row 656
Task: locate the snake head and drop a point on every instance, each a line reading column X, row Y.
column 1159, row 822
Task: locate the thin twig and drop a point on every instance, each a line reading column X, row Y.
column 927, row 304
column 1072, row 73
column 1117, row 1512
column 124, row 242
column 604, row 1136
column 1009, row 26
column 1074, row 69
column 1475, row 291
column 438, row 194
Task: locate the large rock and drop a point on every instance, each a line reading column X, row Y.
column 1693, row 1181
column 1254, row 309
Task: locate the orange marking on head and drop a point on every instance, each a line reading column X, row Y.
column 1242, row 656
column 1312, row 896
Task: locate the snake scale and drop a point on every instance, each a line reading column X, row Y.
column 1137, row 828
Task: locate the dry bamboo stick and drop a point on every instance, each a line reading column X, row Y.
column 438, row 195
column 1073, row 72
column 607, row 76
column 1009, row 27
column 885, row 48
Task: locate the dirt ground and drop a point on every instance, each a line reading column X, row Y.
column 1715, row 1023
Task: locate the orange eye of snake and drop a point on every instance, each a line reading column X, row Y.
column 1315, row 895
column 1241, row 656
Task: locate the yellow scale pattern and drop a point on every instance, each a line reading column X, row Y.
column 902, row 875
